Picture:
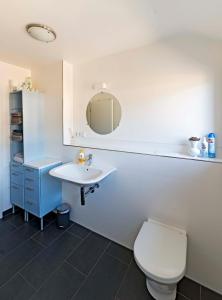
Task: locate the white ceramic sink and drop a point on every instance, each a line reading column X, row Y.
column 81, row 174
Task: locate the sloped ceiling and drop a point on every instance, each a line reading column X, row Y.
column 88, row 29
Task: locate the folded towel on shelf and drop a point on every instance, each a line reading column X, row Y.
column 19, row 157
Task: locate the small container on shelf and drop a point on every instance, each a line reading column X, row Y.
column 194, row 146
column 16, row 118
column 17, row 135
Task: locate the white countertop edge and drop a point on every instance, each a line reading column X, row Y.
column 187, row 157
column 42, row 163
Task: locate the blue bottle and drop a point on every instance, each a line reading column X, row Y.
column 211, row 145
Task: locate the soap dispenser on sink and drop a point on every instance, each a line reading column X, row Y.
column 81, row 158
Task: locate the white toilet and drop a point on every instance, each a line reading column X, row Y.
column 160, row 252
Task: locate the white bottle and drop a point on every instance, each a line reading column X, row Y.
column 204, row 147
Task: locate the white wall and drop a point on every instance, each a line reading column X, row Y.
column 7, row 72
column 167, row 94
column 179, row 192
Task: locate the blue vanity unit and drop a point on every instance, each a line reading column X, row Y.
column 33, row 189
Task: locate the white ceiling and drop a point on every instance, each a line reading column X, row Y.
column 88, row 29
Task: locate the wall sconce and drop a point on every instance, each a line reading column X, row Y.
column 100, row 86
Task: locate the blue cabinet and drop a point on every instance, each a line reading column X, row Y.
column 33, row 189
column 17, row 184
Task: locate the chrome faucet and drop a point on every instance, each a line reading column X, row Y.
column 89, row 160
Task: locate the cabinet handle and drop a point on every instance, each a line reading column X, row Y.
column 14, row 166
column 15, row 187
column 29, row 170
column 28, row 179
column 15, row 174
column 29, row 189
column 29, row 202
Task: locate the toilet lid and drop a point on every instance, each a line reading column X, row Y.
column 160, row 251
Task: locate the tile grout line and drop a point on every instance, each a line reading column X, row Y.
column 185, row 297
column 80, row 243
column 2, row 286
column 27, row 281
column 38, row 242
column 8, row 222
column 38, row 289
column 126, row 273
column 59, row 266
column 18, row 272
column 22, row 243
column 74, row 268
column 45, row 247
column 119, row 260
column 90, row 272
column 76, row 235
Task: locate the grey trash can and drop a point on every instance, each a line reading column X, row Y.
column 63, row 212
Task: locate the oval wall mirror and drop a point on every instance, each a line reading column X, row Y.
column 103, row 113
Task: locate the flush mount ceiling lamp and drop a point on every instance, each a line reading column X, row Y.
column 41, row 32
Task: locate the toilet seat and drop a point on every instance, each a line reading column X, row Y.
column 160, row 252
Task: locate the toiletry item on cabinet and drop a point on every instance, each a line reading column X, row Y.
column 16, row 118
column 204, row 147
column 211, row 145
column 17, row 135
column 194, row 146
column 81, row 159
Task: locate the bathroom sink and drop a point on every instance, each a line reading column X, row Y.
column 82, row 174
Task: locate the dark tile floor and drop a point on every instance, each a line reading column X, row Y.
column 72, row 264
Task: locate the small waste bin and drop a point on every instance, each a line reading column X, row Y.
column 63, row 212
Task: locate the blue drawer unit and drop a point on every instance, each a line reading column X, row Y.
column 17, row 195
column 42, row 192
column 17, row 185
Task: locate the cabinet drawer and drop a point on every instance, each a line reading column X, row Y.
column 31, row 194
column 31, row 206
column 31, row 173
column 16, row 167
column 30, row 183
column 17, row 195
column 17, row 177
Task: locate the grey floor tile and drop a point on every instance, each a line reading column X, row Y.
column 189, row 289
column 133, row 286
column 79, row 230
column 181, row 297
column 16, row 289
column 87, row 254
column 39, row 270
column 17, row 219
column 49, row 234
column 122, row 253
column 104, row 281
column 16, row 259
column 17, row 237
column 6, row 228
column 61, row 285
column 207, row 294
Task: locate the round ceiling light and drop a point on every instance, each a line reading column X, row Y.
column 41, row 32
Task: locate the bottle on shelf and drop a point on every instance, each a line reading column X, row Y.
column 204, row 147
column 211, row 145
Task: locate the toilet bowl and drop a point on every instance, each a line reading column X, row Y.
column 160, row 252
